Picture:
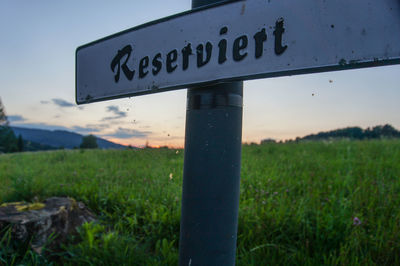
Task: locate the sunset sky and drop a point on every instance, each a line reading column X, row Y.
column 37, row 81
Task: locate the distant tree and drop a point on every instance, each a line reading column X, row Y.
column 3, row 117
column 147, row 145
column 268, row 140
column 20, row 143
column 387, row 131
column 89, row 142
column 8, row 141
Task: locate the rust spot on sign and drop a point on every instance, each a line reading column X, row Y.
column 243, row 9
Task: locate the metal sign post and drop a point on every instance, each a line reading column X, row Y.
column 223, row 42
column 211, row 176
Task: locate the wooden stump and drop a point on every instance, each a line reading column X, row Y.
column 56, row 216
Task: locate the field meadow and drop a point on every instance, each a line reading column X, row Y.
column 306, row 203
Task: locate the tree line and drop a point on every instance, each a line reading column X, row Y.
column 352, row 133
column 356, row 133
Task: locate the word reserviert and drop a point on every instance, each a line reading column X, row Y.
column 202, row 54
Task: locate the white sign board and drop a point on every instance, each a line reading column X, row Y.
column 239, row 40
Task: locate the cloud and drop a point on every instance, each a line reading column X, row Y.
column 78, row 129
column 145, row 126
column 98, row 126
column 90, row 128
column 117, row 113
column 168, row 138
column 43, row 126
column 62, row 103
column 84, row 129
column 125, row 133
column 15, row 118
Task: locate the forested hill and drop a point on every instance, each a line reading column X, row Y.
column 386, row 131
column 59, row 138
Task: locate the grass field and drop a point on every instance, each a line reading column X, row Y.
column 311, row 203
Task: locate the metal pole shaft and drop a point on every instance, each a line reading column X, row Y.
column 211, row 176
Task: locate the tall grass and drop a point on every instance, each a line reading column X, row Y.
column 301, row 203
